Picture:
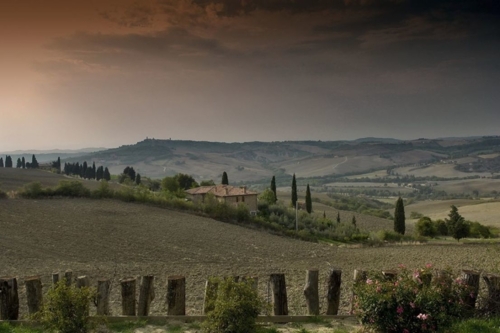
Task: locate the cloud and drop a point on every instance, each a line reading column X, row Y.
column 135, row 15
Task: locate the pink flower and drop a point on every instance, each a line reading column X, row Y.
column 369, row 281
column 428, row 265
column 399, row 310
column 422, row 316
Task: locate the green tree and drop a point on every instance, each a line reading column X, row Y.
column 425, row 227
column 225, row 180
column 457, row 227
column 93, row 170
column 294, row 191
column 8, row 161
column 34, row 162
column 170, row 184
column 273, row 188
column 83, row 169
column 353, row 221
column 138, row 179
column 23, row 162
column 399, row 217
column 209, row 182
column 129, row 171
column 99, row 174
column 338, row 217
column 19, row 164
column 308, row 200
column 267, row 197
column 185, row 181
column 107, row 175
column 1, row 162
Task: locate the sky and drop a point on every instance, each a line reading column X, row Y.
column 103, row 73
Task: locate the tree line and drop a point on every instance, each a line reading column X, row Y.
column 86, row 171
column 20, row 164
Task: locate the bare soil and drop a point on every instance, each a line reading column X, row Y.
column 107, row 238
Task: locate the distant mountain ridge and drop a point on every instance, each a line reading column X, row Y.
column 259, row 161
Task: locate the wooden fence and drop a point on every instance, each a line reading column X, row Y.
column 176, row 294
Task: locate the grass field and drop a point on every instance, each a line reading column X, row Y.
column 12, row 179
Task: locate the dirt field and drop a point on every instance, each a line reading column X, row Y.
column 107, row 238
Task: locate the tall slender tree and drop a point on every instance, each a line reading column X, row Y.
column 8, row 161
column 93, row 170
column 1, row 162
column 338, row 217
column 19, row 164
column 353, row 221
column 83, row 170
column 107, row 175
column 399, row 217
column 294, row 191
column 23, row 162
column 308, row 200
column 138, row 179
column 273, row 188
column 34, row 162
column 225, row 180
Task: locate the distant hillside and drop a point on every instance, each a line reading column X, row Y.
column 258, row 161
column 45, row 156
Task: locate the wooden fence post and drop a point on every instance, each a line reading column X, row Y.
column 493, row 300
column 176, row 296
column 34, row 294
column 9, row 299
column 128, row 297
column 333, row 295
column 211, row 288
column 56, row 276
column 471, row 279
column 280, row 302
column 311, row 292
column 360, row 276
column 102, row 301
column 146, row 295
column 82, row 281
column 68, row 276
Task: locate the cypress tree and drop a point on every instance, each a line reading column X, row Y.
column 107, row 175
column 8, row 161
column 225, row 180
column 88, row 173
column 34, row 162
column 93, row 170
column 59, row 164
column 83, row 171
column 99, row 174
column 399, row 217
column 138, row 179
column 308, row 200
column 1, row 162
column 353, row 221
column 23, row 162
column 338, row 217
column 19, row 163
column 294, row 191
column 273, row 188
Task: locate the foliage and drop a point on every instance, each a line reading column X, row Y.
column 441, row 227
column 273, row 188
column 32, row 190
column 1, row 162
column 294, row 191
column 209, row 182
column 104, row 191
column 267, row 197
column 129, row 171
column 425, row 227
column 410, row 303
column 225, row 180
column 399, row 217
column 107, row 175
column 138, row 179
column 416, row 215
column 235, row 310
column 66, row 308
column 457, row 227
column 308, row 200
column 72, row 189
column 8, row 161
column 476, row 325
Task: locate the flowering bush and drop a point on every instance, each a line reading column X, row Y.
column 411, row 302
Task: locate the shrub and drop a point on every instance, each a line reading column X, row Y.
column 32, row 190
column 411, row 303
column 72, row 189
column 235, row 309
column 66, row 309
column 104, row 191
column 425, row 227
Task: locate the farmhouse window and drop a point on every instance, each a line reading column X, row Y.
column 237, row 199
column 242, row 199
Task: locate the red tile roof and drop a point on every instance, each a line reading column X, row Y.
column 221, row 190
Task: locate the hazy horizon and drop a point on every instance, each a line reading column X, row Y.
column 107, row 73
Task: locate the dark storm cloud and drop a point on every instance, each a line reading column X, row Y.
column 136, row 15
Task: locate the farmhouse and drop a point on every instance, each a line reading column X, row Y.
column 225, row 193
